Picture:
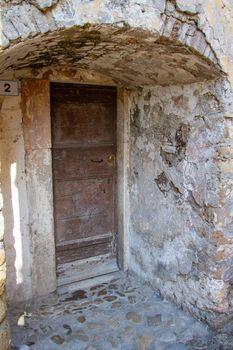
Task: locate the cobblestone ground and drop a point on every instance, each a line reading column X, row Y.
column 121, row 314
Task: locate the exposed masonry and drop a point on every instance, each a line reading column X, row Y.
column 183, row 27
column 174, row 50
column 176, row 24
column 177, row 243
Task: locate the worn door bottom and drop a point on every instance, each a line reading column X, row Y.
column 87, row 268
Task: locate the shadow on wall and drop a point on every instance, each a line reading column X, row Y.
column 15, row 211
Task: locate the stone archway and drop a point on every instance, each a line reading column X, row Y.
column 174, row 50
column 146, row 49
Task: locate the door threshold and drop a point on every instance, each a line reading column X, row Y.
column 88, row 283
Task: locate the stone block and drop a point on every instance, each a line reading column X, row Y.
column 2, row 278
column 226, row 166
column 43, row 4
column 187, row 6
column 22, row 22
column 2, row 254
column 4, row 335
column 41, row 20
column 4, row 42
column 170, row 7
column 212, row 57
column 2, row 289
column 202, row 44
column 191, row 30
column 194, row 41
column 3, row 307
column 1, row 201
column 225, row 152
column 207, row 51
column 9, row 29
column 182, row 32
column 1, row 226
column 169, row 26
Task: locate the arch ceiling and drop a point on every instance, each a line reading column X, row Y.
column 133, row 57
column 167, row 48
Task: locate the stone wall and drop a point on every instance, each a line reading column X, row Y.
column 4, row 329
column 179, row 151
column 181, row 148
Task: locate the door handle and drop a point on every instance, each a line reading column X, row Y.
column 111, row 159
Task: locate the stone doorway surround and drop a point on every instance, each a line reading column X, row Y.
column 153, row 41
column 38, row 165
column 29, row 166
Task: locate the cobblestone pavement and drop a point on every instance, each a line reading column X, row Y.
column 121, row 314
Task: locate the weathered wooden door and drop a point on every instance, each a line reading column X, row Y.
column 84, row 176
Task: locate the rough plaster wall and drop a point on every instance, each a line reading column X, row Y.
column 27, row 211
column 15, row 209
column 4, row 327
column 176, row 243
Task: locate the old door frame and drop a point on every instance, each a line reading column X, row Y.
column 78, row 269
column 33, row 106
column 123, row 168
column 122, row 155
column 122, row 143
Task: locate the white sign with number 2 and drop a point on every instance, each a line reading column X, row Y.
column 9, row 88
